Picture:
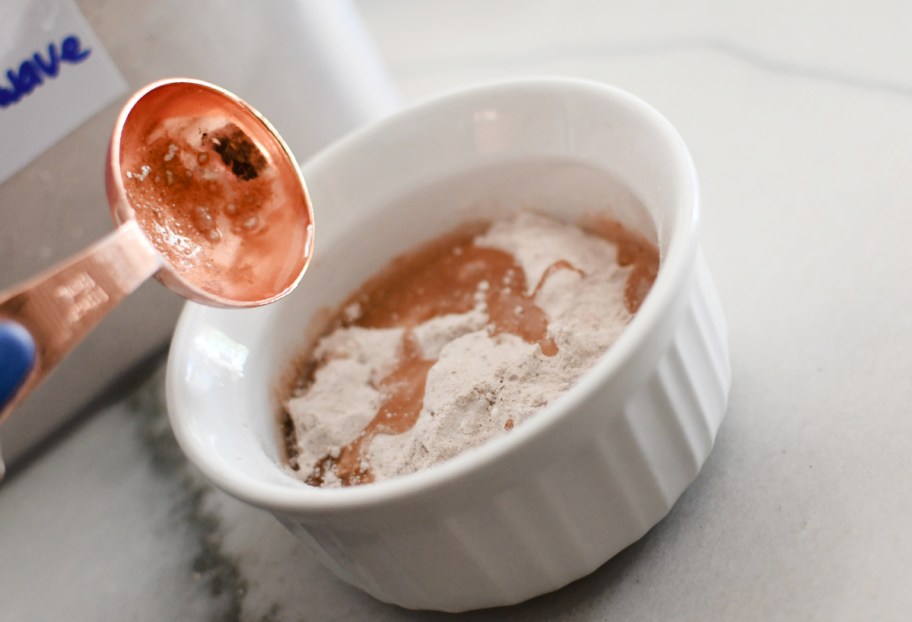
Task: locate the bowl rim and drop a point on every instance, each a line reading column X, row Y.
column 676, row 266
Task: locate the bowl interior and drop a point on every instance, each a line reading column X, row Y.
column 567, row 148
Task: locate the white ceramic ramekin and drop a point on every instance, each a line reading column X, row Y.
column 563, row 492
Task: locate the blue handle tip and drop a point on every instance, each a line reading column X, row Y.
column 17, row 358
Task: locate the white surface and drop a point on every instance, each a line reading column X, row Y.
column 800, row 120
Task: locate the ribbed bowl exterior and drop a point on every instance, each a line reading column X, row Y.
column 535, row 509
column 571, row 501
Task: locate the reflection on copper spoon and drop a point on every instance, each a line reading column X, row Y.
column 207, row 198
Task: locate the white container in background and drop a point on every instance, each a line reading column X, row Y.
column 308, row 65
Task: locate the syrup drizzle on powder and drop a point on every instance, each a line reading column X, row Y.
column 453, row 275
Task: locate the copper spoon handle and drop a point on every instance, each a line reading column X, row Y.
column 59, row 307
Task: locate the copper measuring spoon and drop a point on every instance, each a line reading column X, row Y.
column 207, row 198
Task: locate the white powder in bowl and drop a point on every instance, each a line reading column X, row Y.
column 483, row 382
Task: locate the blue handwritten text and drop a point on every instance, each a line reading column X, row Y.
column 32, row 72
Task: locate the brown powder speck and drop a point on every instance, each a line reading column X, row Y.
column 239, row 153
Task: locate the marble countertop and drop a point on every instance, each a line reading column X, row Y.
column 799, row 117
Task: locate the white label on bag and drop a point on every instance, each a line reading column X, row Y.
column 54, row 76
